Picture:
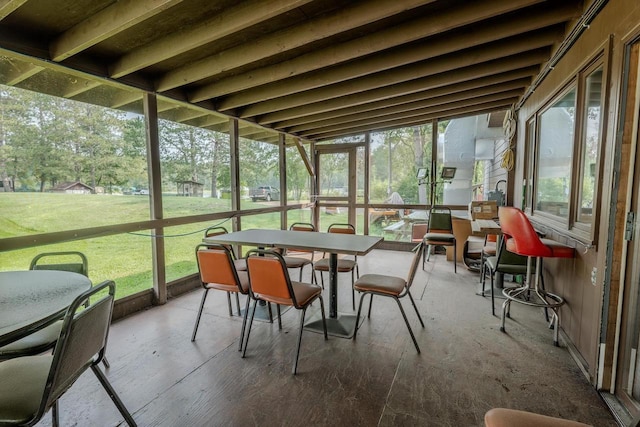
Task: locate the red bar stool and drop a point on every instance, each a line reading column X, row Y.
column 522, row 239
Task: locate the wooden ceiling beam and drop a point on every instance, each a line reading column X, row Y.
column 363, row 120
column 378, row 63
column 116, row 18
column 514, row 89
column 289, row 38
column 458, row 80
column 511, row 51
column 419, row 29
column 500, row 81
column 80, row 86
column 8, row 6
column 226, row 22
column 20, row 71
column 415, row 121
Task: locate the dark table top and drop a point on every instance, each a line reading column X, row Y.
column 32, row 299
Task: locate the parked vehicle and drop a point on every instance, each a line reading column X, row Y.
column 265, row 192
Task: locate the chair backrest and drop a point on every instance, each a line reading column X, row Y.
column 507, row 257
column 414, row 264
column 342, row 228
column 215, row 231
column 418, row 230
column 73, row 261
column 269, row 278
column 82, row 341
column 520, row 235
column 301, row 226
column 440, row 220
column 218, row 230
column 215, row 264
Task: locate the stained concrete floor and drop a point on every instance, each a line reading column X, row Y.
column 466, row 366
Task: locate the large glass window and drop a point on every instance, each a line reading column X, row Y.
column 555, row 155
column 590, row 144
column 396, row 156
column 259, row 169
column 61, row 160
column 195, row 170
column 298, row 178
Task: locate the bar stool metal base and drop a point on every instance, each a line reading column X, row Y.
column 534, row 297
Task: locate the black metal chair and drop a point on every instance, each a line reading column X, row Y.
column 504, row 262
column 393, row 287
column 440, row 232
column 31, row 385
column 269, row 281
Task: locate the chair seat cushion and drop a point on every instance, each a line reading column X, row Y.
column 34, row 343
column 22, row 387
column 439, row 238
column 244, row 284
column 390, row 285
column 304, row 293
column 500, row 417
column 296, row 262
column 344, row 265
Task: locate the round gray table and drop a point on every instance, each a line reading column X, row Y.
column 33, row 299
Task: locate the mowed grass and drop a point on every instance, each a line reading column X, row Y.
column 124, row 258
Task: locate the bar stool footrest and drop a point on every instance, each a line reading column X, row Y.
column 535, row 298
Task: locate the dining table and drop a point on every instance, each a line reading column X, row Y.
column 33, row 299
column 338, row 324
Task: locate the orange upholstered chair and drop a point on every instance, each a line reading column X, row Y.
column 298, row 258
column 345, row 265
column 218, row 271
column 269, row 281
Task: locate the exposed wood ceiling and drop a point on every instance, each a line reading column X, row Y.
column 318, row 69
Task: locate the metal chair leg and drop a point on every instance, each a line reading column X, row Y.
column 493, row 309
column 105, row 362
column 324, row 320
column 295, row 363
column 246, row 341
column 55, row 418
column 229, row 304
column 238, row 303
column 355, row 332
column 113, row 395
column 195, row 327
column 279, row 316
column 414, row 307
column 455, row 257
column 244, row 323
column 408, row 325
column 353, row 292
column 370, row 304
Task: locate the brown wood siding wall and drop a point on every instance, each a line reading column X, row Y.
column 581, row 316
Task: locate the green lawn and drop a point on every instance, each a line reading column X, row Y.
column 124, row 258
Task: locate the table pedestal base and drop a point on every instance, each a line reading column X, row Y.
column 343, row 326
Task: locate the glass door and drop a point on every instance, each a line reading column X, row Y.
column 627, row 369
column 335, row 185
